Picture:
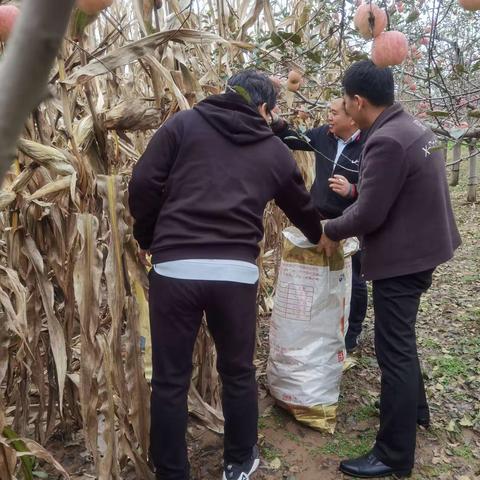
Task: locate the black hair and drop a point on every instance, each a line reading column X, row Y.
column 366, row 80
column 257, row 87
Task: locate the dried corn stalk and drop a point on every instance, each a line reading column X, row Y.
column 73, row 297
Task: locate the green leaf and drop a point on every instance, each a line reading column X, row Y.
column 28, row 462
column 414, row 14
column 466, row 422
column 80, row 21
column 276, row 39
column 327, row 93
column 314, row 56
column 295, row 38
column 357, row 55
column 241, row 91
column 476, row 66
column 474, row 113
column 451, row 427
column 437, row 113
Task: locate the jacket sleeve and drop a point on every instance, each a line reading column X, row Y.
column 291, row 138
column 147, row 185
column 294, row 199
column 354, row 193
column 383, row 175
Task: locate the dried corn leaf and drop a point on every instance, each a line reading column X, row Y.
column 139, row 412
column 55, row 330
column 167, row 77
column 15, row 310
column 138, row 285
column 87, row 277
column 38, row 451
column 113, row 193
column 8, row 460
column 4, row 344
column 212, row 418
column 138, row 49
column 267, row 11
column 142, row 469
column 138, row 9
column 6, row 199
column 191, row 83
column 133, row 115
column 52, row 158
column 83, row 131
column 7, row 455
column 252, row 18
column 23, row 179
column 108, row 468
column 51, row 188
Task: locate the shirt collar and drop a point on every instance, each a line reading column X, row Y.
column 349, row 140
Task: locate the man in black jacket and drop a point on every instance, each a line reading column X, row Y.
column 197, row 196
column 337, row 146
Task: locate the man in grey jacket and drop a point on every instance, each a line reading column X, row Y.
column 404, row 217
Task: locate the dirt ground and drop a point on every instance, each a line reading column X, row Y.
column 449, row 345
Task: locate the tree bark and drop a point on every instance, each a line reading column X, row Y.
column 25, row 67
column 457, row 149
column 472, row 176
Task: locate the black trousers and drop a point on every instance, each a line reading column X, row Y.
column 176, row 311
column 402, row 398
column 358, row 303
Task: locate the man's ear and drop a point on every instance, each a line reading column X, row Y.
column 360, row 102
column 263, row 110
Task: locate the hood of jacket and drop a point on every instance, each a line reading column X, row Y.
column 234, row 118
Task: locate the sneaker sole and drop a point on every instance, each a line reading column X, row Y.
column 246, row 476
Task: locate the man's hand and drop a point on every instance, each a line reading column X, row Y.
column 142, row 256
column 327, row 245
column 275, row 115
column 339, row 184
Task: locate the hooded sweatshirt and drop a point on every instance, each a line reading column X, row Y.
column 201, row 187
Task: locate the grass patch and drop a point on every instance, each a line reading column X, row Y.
column 279, row 417
column 432, row 471
column 430, row 343
column 262, row 423
column 344, row 446
column 293, row 437
column 269, row 452
column 471, row 278
column 365, row 412
column 464, row 452
column 449, row 368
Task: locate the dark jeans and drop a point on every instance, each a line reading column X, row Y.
column 176, row 311
column 358, row 303
column 402, row 398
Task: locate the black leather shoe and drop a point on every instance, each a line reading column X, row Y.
column 424, row 423
column 369, row 466
column 421, row 422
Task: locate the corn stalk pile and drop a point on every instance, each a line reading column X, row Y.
column 73, row 296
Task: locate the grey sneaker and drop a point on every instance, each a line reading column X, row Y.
column 235, row 471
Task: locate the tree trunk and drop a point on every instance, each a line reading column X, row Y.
column 457, row 150
column 472, row 175
column 445, row 148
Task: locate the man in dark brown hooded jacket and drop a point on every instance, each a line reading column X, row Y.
column 197, row 196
